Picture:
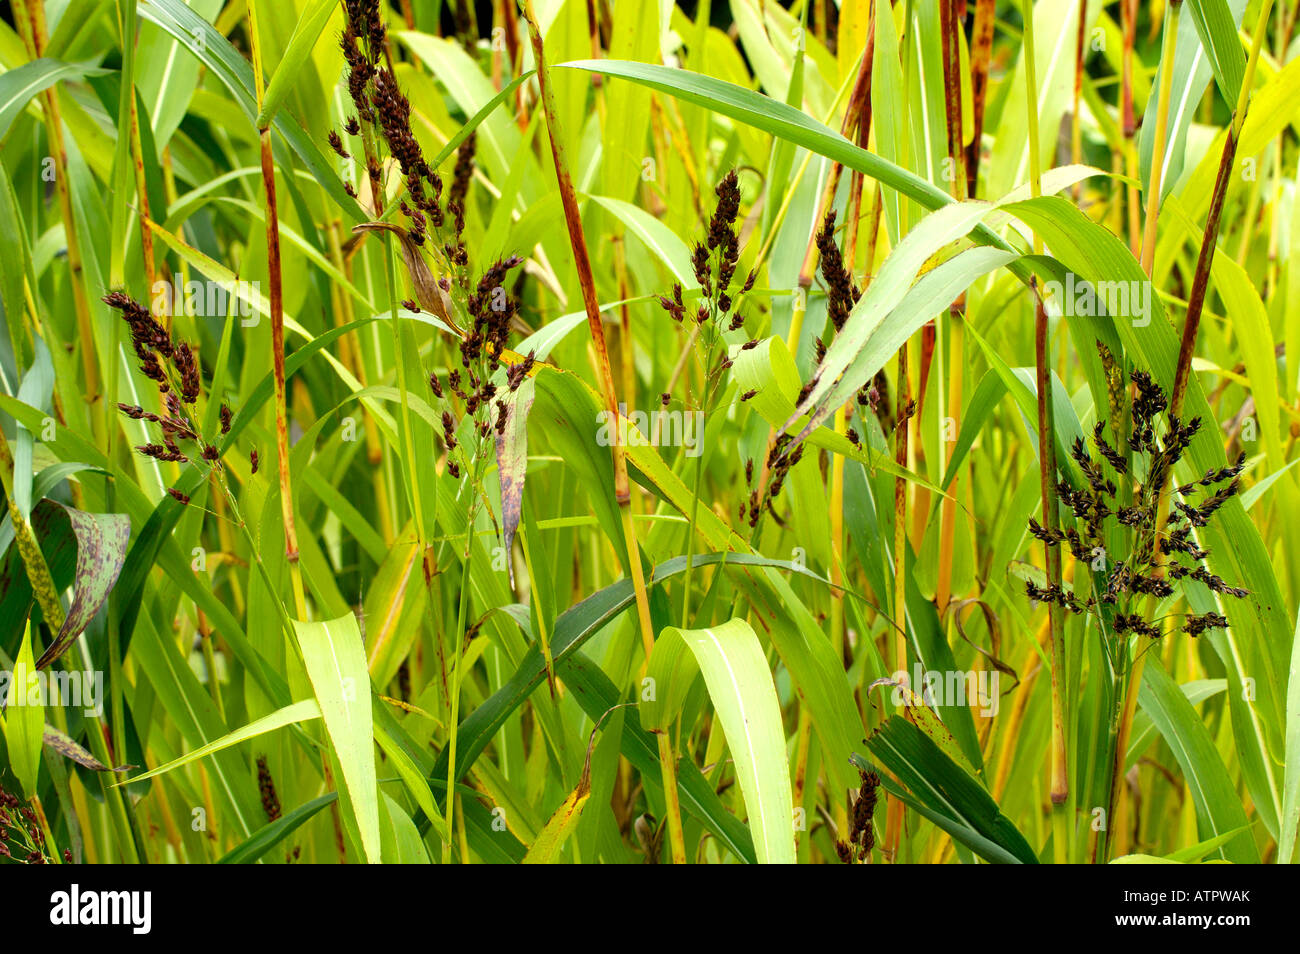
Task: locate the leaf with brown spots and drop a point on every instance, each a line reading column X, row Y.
column 101, row 551
column 58, row 742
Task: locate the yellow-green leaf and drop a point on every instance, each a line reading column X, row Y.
column 335, row 659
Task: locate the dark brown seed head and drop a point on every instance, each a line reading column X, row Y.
column 270, row 800
column 841, row 294
column 337, row 145
column 188, row 369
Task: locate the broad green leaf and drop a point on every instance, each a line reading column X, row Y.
column 1192, row 74
column 411, row 777
column 660, row 240
column 889, row 115
column 335, row 660
column 1291, row 786
column 1218, row 809
column 1143, row 860
column 36, row 389
column 888, row 290
column 19, row 85
column 1144, row 731
column 24, row 721
column 401, row 841
column 202, row 40
column 1193, row 854
column 1199, row 850
column 546, row 847
column 769, row 115
column 167, row 74
column 1217, row 28
column 931, row 294
column 16, row 262
column 385, row 606
column 740, row 685
column 311, row 23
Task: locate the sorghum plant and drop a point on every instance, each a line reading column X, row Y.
column 718, row 312
column 1134, row 540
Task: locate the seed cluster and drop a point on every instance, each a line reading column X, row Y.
column 174, row 367
column 781, row 459
column 841, row 293
column 21, row 837
column 381, row 104
column 492, row 312
column 1127, row 502
column 714, row 262
column 862, row 836
column 363, row 46
column 266, row 785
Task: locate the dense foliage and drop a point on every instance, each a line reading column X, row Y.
column 621, row 431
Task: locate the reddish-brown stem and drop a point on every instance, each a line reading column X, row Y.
column 1060, row 785
column 981, row 53
column 1196, row 300
column 277, row 350
column 622, row 492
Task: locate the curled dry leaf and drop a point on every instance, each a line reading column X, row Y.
column 427, row 290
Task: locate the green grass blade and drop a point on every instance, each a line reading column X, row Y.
column 290, row 715
column 266, row 838
column 336, row 664
column 1218, row 809
column 947, row 790
column 1291, row 786
column 744, row 698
